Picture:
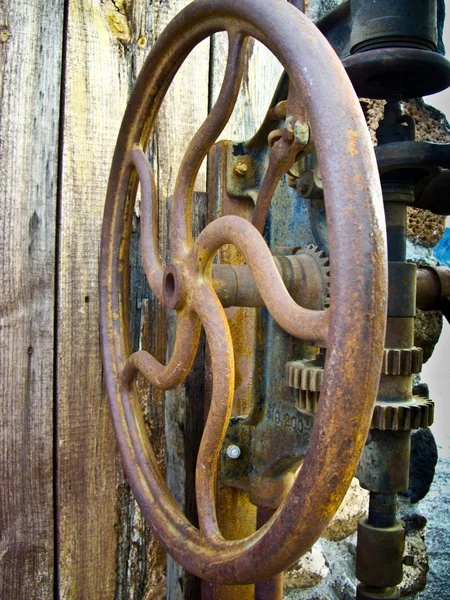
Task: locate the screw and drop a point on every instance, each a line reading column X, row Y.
column 240, row 169
column 4, row 36
column 233, row 451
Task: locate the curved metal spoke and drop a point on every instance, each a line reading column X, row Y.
column 170, row 376
column 296, row 320
column 281, row 157
column 220, row 344
column 181, row 235
column 149, row 221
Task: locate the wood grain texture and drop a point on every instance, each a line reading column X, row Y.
column 30, row 71
column 261, row 75
column 105, row 548
column 95, row 93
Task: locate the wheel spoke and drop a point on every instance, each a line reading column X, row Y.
column 281, row 157
column 296, row 320
column 181, row 235
column 220, row 345
column 170, row 376
column 149, row 221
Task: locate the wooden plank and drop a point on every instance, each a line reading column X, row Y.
column 105, row 549
column 30, row 72
column 262, row 72
column 95, row 93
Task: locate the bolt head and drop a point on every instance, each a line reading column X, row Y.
column 233, row 451
column 240, row 169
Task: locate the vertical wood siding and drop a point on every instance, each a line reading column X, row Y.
column 30, row 72
column 69, row 526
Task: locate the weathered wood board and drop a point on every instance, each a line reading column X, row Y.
column 30, row 73
column 105, row 549
column 95, row 93
column 70, row 527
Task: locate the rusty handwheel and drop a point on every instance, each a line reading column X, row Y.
column 355, row 319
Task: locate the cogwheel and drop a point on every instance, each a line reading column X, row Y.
column 402, row 361
column 305, row 377
column 418, row 413
column 307, row 402
column 323, row 263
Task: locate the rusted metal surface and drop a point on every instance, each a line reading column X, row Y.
column 272, row 589
column 379, row 561
column 305, row 275
column 433, row 286
column 386, row 23
column 393, row 50
column 356, row 317
column 412, row 72
column 434, row 193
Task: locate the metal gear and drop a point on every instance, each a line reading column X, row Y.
column 305, row 374
column 305, row 377
column 402, row 361
column 418, row 413
column 323, row 263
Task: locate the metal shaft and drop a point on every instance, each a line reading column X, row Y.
column 272, row 589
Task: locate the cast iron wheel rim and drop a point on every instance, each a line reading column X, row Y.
column 358, row 297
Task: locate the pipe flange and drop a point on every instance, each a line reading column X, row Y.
column 402, row 361
column 417, row 413
column 323, row 263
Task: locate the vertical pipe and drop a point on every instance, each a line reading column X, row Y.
column 272, row 589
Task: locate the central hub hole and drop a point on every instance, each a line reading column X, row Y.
column 169, row 285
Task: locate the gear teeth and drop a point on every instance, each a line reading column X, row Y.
column 305, row 375
column 402, row 361
column 320, row 256
column 307, row 402
column 418, row 414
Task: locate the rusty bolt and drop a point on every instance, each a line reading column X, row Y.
column 291, row 180
column 233, row 451
column 287, row 135
column 240, row 169
column 280, row 109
